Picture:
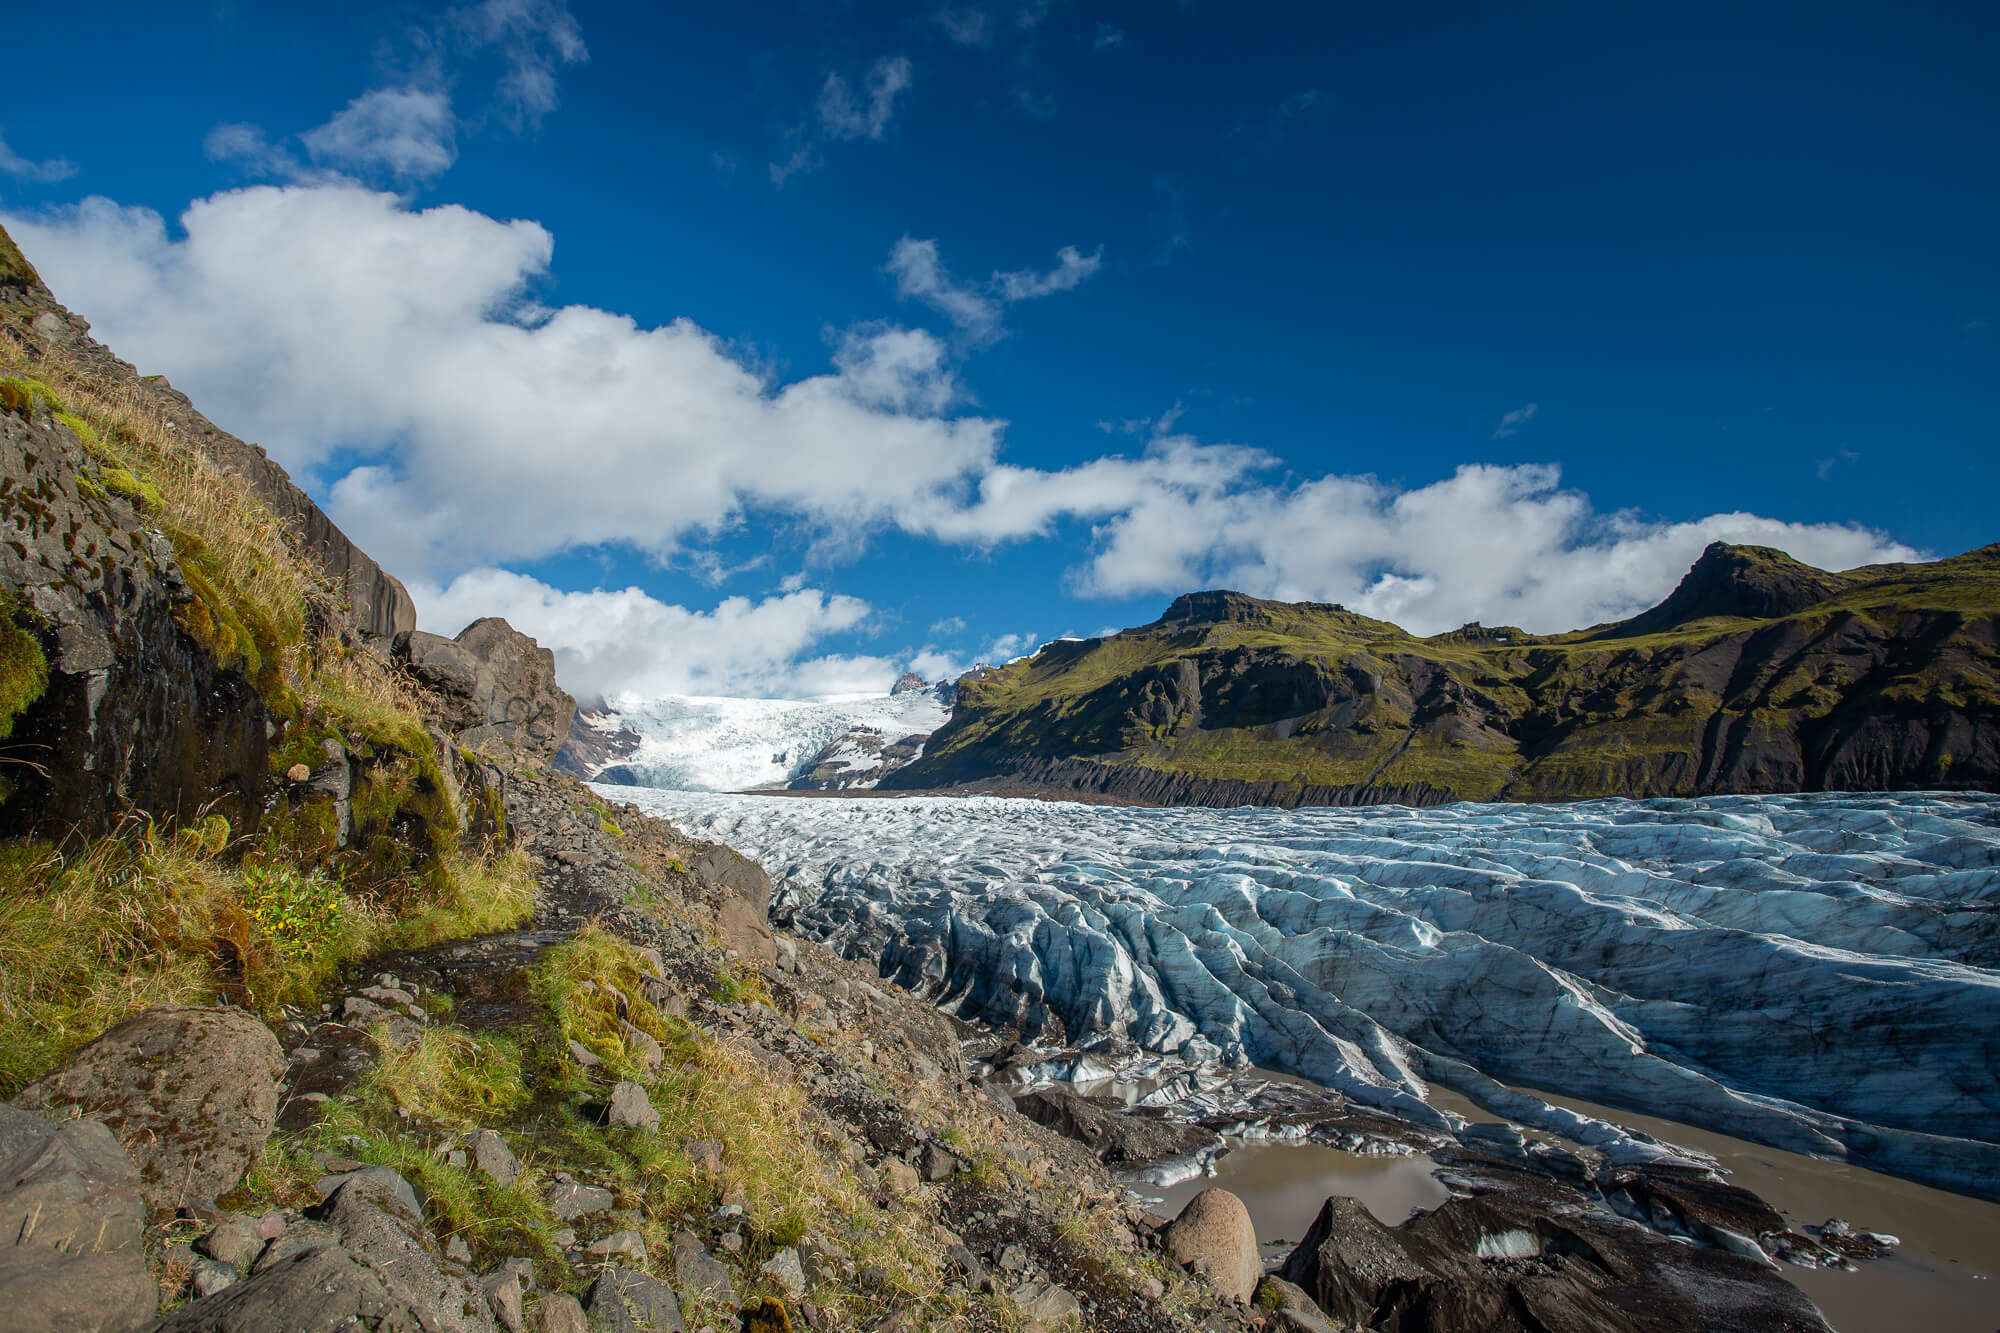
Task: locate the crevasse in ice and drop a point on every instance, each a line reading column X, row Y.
column 1814, row 972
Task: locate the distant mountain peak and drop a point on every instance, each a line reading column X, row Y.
column 1220, row 605
column 1748, row 582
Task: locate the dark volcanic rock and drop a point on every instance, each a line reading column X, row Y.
column 596, row 742
column 1500, row 1265
column 136, row 713
column 374, row 603
column 1759, row 674
column 1752, row 582
column 1105, row 1127
column 384, row 1272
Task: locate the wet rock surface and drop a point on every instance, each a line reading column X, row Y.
column 1500, row 1263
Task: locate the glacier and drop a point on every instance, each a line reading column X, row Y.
column 713, row 743
column 1819, row 973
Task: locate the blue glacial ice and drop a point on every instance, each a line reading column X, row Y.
column 1819, row 973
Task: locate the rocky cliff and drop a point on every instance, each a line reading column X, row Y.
column 1758, row 674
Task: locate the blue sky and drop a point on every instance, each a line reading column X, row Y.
column 775, row 348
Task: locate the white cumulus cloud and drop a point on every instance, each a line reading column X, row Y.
column 1501, row 545
column 334, row 323
column 625, row 641
column 317, row 319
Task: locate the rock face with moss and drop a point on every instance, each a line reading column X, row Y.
column 1759, row 674
column 107, row 703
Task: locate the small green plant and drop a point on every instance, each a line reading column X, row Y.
column 301, row 912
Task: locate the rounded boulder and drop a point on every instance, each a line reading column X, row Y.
column 1213, row 1236
column 191, row 1093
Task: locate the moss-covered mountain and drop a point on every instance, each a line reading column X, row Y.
column 1759, row 674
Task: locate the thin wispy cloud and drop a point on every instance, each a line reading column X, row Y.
column 533, row 38
column 405, row 130
column 1823, row 469
column 1107, row 37
column 46, row 172
column 976, row 307
column 846, row 111
column 1170, row 220
column 981, row 25
column 1040, row 105
column 1511, row 423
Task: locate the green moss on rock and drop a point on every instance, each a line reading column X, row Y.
column 26, row 397
column 24, row 668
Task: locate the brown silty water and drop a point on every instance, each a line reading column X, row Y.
column 1944, row 1278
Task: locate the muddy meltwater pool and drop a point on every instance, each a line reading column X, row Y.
column 1944, row 1278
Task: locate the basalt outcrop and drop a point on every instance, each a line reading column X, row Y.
column 1759, row 674
column 132, row 712
column 496, row 687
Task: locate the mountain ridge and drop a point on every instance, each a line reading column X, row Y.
column 1758, row 673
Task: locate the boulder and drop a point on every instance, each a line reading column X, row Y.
column 496, row 688
column 558, row 1312
column 631, row 1107
column 1213, row 1236
column 743, row 916
column 494, row 1159
column 1497, row 1261
column 71, row 1228
column 629, row 1243
column 382, row 1271
column 503, row 1293
column 787, row 1271
column 1046, row 1303
column 1108, row 1129
column 192, row 1093
column 698, row 1273
column 569, row 1201
column 625, row 1301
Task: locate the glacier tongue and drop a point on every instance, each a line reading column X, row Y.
column 1813, row 972
column 727, row 744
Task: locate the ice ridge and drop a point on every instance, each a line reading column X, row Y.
column 1813, row 972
